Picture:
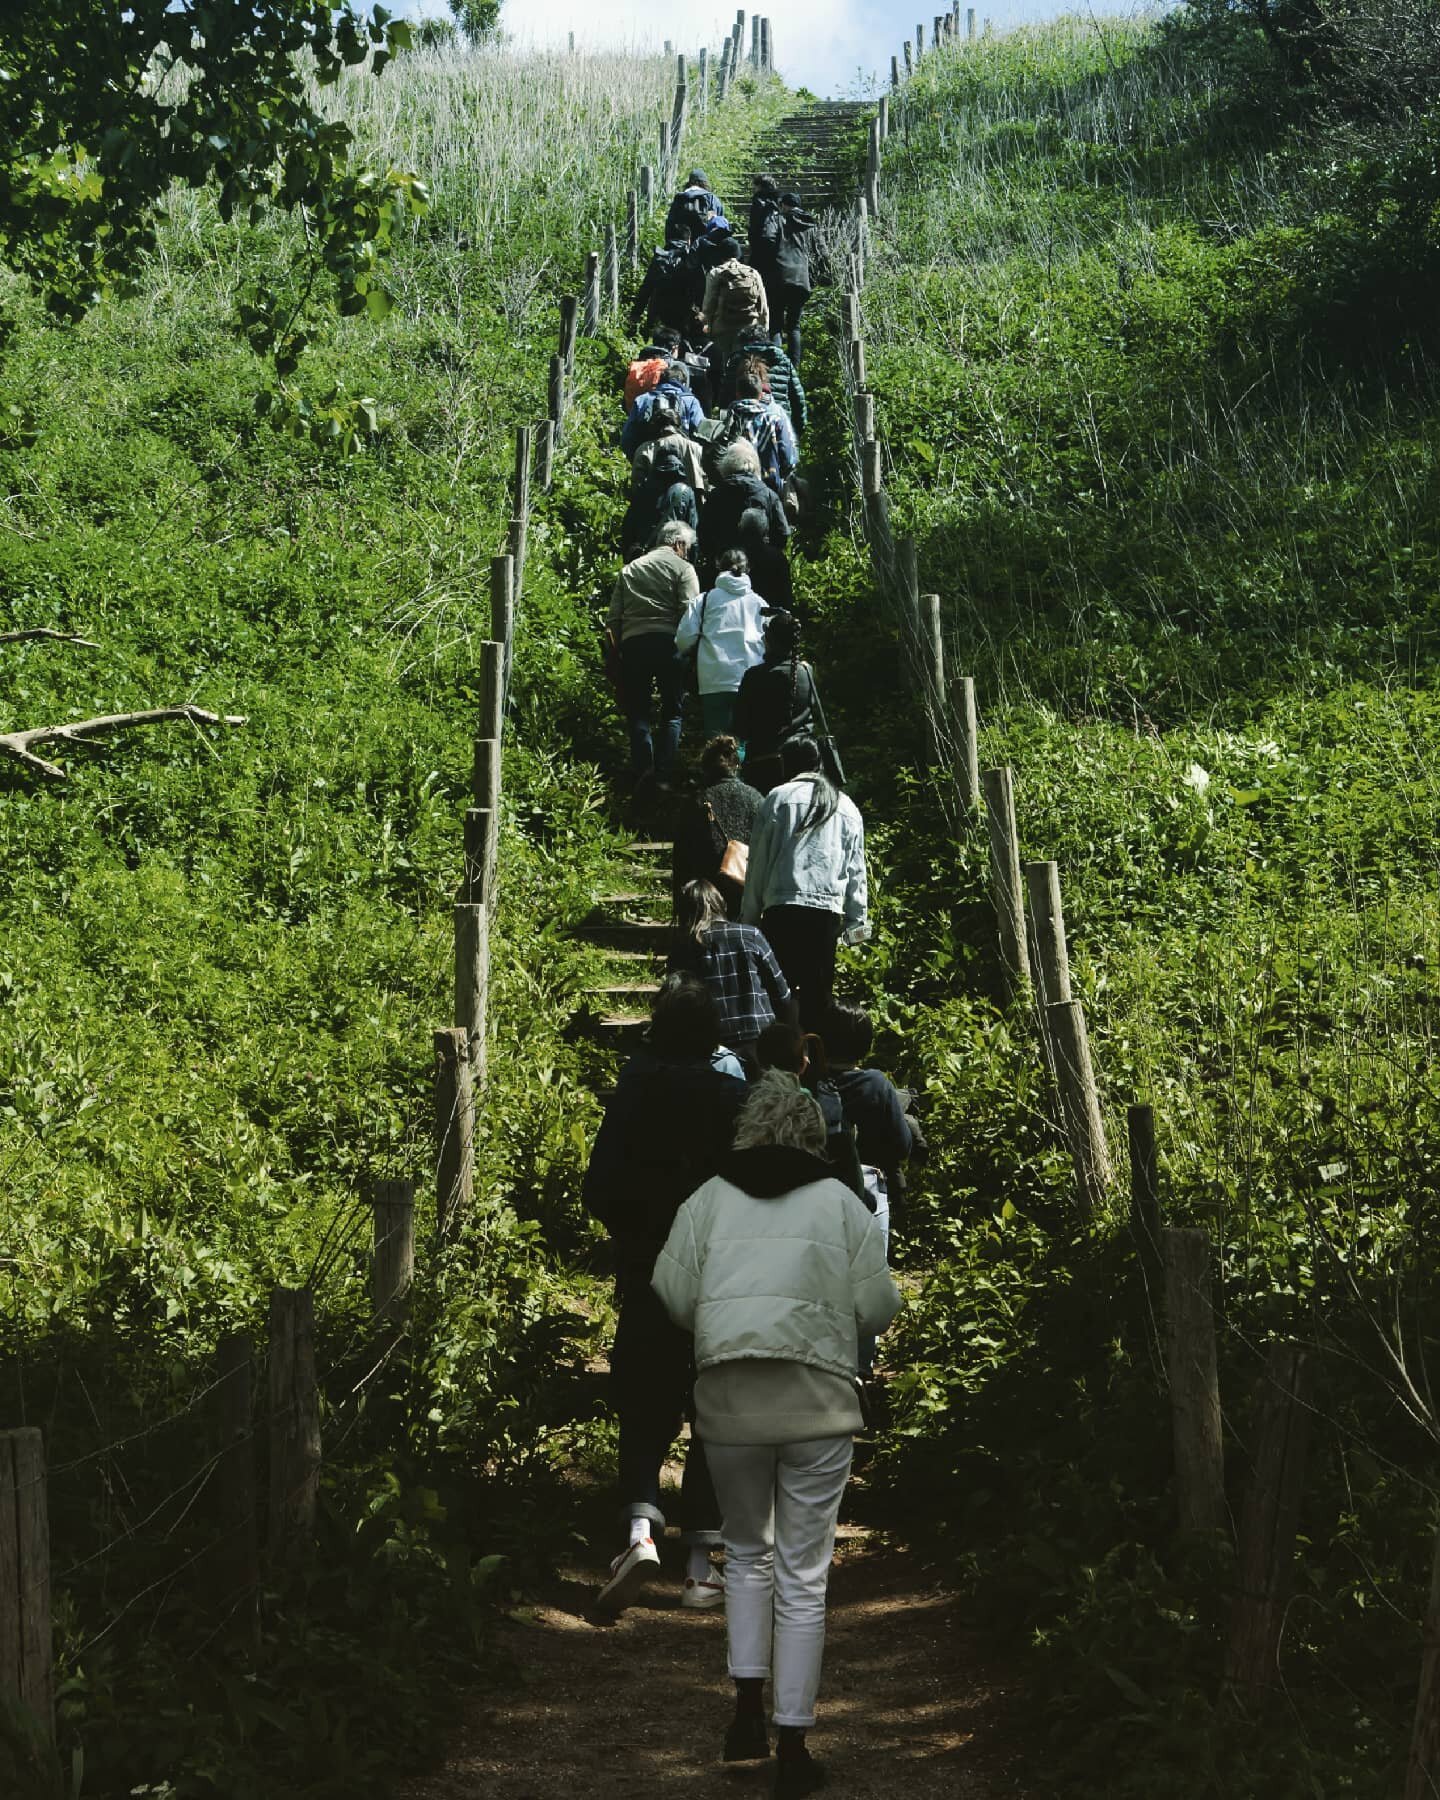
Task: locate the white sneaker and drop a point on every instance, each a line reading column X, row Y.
column 628, row 1574
column 706, row 1594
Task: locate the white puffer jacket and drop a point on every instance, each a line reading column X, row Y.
column 795, row 1270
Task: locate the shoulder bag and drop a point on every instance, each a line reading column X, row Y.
column 735, row 857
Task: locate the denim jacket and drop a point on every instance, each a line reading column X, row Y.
column 823, row 867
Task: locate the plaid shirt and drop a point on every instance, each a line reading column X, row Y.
column 738, row 966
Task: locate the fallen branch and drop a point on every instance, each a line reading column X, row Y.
column 45, row 631
column 17, row 744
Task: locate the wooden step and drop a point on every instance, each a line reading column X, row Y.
column 648, row 936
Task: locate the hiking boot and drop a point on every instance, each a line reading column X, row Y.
column 746, row 1740
column 798, row 1775
column 628, row 1574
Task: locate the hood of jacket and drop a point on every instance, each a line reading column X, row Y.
column 752, row 409
column 769, row 1170
column 731, row 587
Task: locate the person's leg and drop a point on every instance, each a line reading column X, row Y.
column 804, row 940
column 636, row 661
column 648, row 1405
column 699, row 1508
column 809, row 1481
column 717, row 713
column 877, row 1198
column 744, row 1476
column 793, row 306
column 671, row 682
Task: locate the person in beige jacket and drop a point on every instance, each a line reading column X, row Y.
column 735, row 306
column 776, row 1268
column 647, row 603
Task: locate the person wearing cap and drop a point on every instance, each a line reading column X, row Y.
column 694, row 211
column 735, row 305
column 790, row 262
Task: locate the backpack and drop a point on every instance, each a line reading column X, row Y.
column 691, row 211
column 763, row 433
column 716, row 437
column 663, row 416
column 642, row 375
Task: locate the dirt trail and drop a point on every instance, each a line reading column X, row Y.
column 637, row 1708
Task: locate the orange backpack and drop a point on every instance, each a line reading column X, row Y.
column 642, row 376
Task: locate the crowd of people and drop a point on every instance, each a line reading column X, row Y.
column 749, row 1156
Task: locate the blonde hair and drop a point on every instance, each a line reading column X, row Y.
column 779, row 1111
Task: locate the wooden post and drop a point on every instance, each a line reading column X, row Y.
column 766, row 61
column 592, row 293
column 1079, row 1101
column 722, row 92
column 479, row 854
column 524, row 460
column 1047, row 928
column 610, row 292
column 935, row 650
column 472, row 986
column 849, row 315
column 485, row 785
column 647, row 189
column 454, row 1129
column 1268, row 1526
column 909, row 59
column 937, row 30
column 967, row 747
column 237, row 1559
column 704, row 80
column 556, row 398
column 392, row 1265
column 1422, row 1771
column 998, row 786
column 1145, row 1192
column 669, row 47
column 492, row 689
column 856, row 355
column 864, row 416
column 569, row 324
column 666, row 154
column 884, row 116
column 970, row 21
column 26, row 1637
column 545, row 454
column 919, row 42
column 755, row 41
column 294, row 1426
column 518, row 534
column 632, row 228
column 894, row 71
column 870, row 470
column 1194, row 1383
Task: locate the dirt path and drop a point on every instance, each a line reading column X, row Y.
column 636, row 1709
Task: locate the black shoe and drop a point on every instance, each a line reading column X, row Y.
column 797, row 1775
column 746, row 1740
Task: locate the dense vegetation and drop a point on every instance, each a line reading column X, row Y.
column 1161, row 412
column 221, row 960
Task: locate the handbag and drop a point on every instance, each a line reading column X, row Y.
column 830, row 761
column 735, row 857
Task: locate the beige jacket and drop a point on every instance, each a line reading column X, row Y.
column 651, row 594
column 674, row 443
column 735, row 303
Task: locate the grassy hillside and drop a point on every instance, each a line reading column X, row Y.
column 1181, row 508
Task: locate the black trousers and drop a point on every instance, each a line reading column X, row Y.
column 652, row 1381
column 804, row 940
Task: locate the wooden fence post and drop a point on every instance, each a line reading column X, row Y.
column 1194, row 1382
column 392, row 1265
column 524, row 461
column 492, row 689
column 1145, row 1192
column 1422, row 1769
column 967, row 747
column 472, row 986
column 485, row 786
column 592, row 293
column 666, row 155
column 849, row 315
column 454, row 1129
column 864, row 415
column 704, row 80
column 237, row 1560
column 518, row 535
column 885, row 116
column 502, row 609
column 909, row 59
column 26, row 1633
column 870, row 470
column 970, row 21
column 556, row 398
column 612, row 271
column 569, row 327
column 647, row 189
column 545, row 454
column 632, row 228
column 998, row 787
column 1268, row 1526
column 479, row 850
column 1047, row 927
column 934, row 640
column 894, row 71
column 1079, row 1101
column 856, row 355
column 294, row 1426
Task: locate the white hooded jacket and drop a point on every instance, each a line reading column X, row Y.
column 733, row 636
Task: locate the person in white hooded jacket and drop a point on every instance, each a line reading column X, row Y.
column 776, row 1268
column 726, row 629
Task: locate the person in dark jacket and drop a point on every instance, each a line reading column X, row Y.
column 662, row 492
column 722, row 813
column 763, row 235
column 776, row 703
column 695, row 212
column 786, row 388
column 793, row 275
column 674, row 391
column 673, row 289
column 738, row 489
column 784, row 1045
column 667, row 1128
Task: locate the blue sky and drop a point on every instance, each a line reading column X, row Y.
column 831, row 46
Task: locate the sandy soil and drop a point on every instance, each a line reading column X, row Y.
column 638, row 1707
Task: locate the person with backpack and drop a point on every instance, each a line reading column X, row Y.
column 670, row 440
column 793, row 275
column 694, row 211
column 670, row 405
column 666, row 1130
column 736, row 964
column 712, row 829
column 673, row 289
column 806, row 886
column 662, row 492
column 649, row 367
column 763, row 232
column 735, row 305
column 775, row 1268
column 741, row 513
column 777, row 701
column 782, row 379
column 725, row 631
column 648, row 602
column 784, row 1045
column 766, row 425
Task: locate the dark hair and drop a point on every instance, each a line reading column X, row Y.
column 698, row 178
column 684, row 1021
column 789, row 199
column 782, row 1045
column 697, row 906
column 800, row 760
column 727, row 249
column 678, row 374
column 734, row 562
column 849, row 1032
column 666, row 338
column 719, row 758
column 782, row 634
column 766, row 187
column 751, row 379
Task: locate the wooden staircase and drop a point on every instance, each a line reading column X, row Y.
column 632, row 928
column 818, row 153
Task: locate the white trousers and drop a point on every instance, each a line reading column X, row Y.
column 779, row 1503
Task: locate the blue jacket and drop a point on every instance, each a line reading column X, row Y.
column 689, row 408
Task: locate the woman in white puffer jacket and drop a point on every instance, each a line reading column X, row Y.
column 777, row 1269
column 725, row 627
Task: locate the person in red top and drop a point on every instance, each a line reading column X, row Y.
column 648, row 369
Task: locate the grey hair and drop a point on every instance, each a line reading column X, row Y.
column 742, row 458
column 779, row 1111
column 675, row 531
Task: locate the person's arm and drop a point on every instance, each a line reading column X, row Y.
column 876, row 1297
column 779, row 524
column 753, row 902
column 677, row 1272
column 630, row 431
column 607, row 1177
column 887, row 1130
column 773, row 980
column 617, row 605
column 687, row 632
column 789, row 449
column 856, row 887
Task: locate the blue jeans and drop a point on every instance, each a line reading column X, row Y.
column 648, row 662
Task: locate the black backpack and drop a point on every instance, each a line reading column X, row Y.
column 716, row 437
column 663, row 416
column 690, row 211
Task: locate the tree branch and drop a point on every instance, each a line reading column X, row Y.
column 44, row 631
column 16, row 744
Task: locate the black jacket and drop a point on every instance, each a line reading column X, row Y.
column 776, row 701
column 883, row 1136
column 700, row 843
column 730, row 497
column 791, row 259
